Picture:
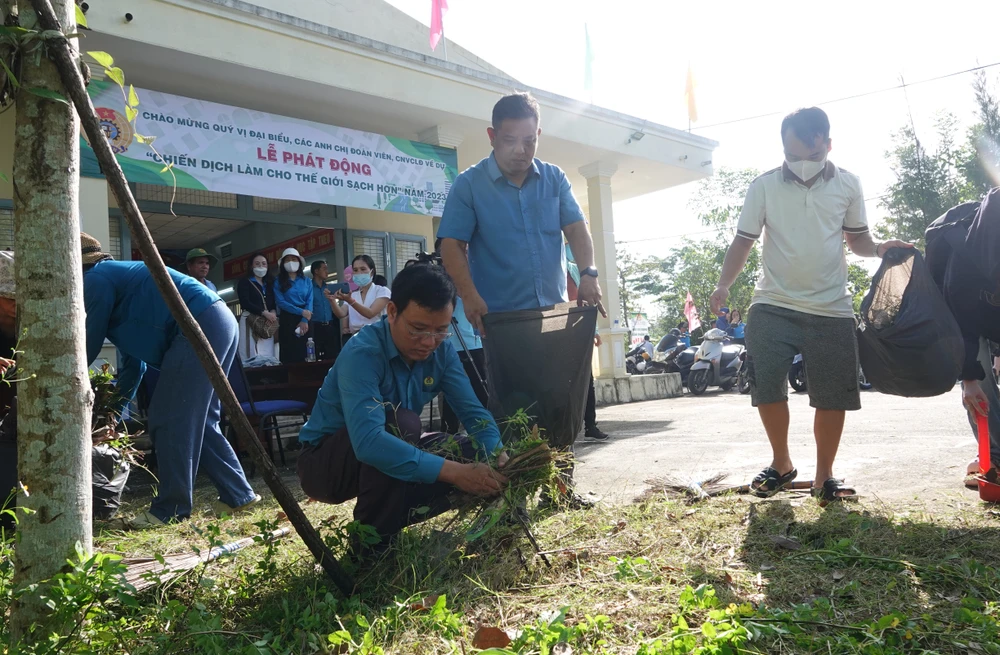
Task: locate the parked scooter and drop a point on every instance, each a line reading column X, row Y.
column 635, row 363
column 797, row 376
column 743, row 380
column 716, row 364
column 678, row 356
column 638, row 362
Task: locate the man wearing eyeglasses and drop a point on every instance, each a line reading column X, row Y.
column 364, row 437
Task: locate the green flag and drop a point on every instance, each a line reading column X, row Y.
column 588, row 63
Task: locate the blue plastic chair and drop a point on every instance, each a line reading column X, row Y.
column 265, row 412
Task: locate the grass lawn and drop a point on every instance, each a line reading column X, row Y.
column 658, row 576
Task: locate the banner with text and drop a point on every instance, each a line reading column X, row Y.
column 307, row 244
column 216, row 147
column 640, row 328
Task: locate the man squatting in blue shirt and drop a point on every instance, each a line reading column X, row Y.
column 363, row 439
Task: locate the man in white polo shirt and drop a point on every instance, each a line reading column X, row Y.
column 804, row 210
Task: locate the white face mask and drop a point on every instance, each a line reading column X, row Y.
column 806, row 170
column 260, row 271
column 292, row 267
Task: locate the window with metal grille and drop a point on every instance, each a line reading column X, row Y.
column 6, row 229
column 405, row 251
column 158, row 193
column 273, row 205
column 115, row 240
column 374, row 247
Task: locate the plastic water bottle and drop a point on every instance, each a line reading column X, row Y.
column 310, row 350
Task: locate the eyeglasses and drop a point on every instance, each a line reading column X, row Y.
column 424, row 336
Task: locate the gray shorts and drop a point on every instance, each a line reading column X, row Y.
column 829, row 349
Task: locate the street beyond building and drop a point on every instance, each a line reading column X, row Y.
column 896, row 449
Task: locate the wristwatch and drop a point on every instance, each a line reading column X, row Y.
column 590, row 270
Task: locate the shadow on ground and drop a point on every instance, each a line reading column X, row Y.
column 856, row 565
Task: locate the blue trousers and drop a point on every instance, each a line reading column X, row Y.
column 989, row 386
column 184, row 415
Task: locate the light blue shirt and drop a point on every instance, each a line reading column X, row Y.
column 322, row 312
column 472, row 340
column 370, row 373
column 211, row 285
column 514, row 233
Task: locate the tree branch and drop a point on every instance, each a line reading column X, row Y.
column 69, row 70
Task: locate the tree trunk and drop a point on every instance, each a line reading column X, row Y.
column 54, row 403
column 68, row 65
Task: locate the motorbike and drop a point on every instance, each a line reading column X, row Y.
column 638, row 362
column 635, row 364
column 797, row 376
column 677, row 355
column 743, row 380
column 679, row 360
column 716, row 364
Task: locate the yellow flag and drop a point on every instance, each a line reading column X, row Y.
column 689, row 97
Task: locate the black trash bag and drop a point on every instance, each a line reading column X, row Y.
column 982, row 242
column 539, row 360
column 8, row 483
column 110, row 473
column 908, row 341
column 8, row 466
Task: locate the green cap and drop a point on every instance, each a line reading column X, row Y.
column 201, row 252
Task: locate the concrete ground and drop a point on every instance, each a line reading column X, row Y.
column 896, row 449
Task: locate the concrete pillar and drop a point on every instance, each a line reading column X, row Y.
column 611, row 354
column 439, row 135
column 94, row 209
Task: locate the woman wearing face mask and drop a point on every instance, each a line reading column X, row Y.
column 259, row 320
column 293, row 294
column 364, row 306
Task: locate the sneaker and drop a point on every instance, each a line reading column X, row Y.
column 221, row 508
column 144, row 521
column 594, row 432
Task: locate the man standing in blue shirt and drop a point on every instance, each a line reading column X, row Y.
column 363, row 439
column 324, row 326
column 512, row 210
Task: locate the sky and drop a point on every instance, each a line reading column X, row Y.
column 760, row 59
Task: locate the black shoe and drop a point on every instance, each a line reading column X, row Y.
column 595, row 433
column 361, row 552
column 517, row 517
column 569, row 500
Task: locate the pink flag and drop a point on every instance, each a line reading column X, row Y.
column 438, row 7
column 691, row 314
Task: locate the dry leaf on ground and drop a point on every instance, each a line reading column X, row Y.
column 490, row 637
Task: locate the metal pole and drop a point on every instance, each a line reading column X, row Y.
column 461, row 340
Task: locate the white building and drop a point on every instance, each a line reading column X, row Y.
column 361, row 65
